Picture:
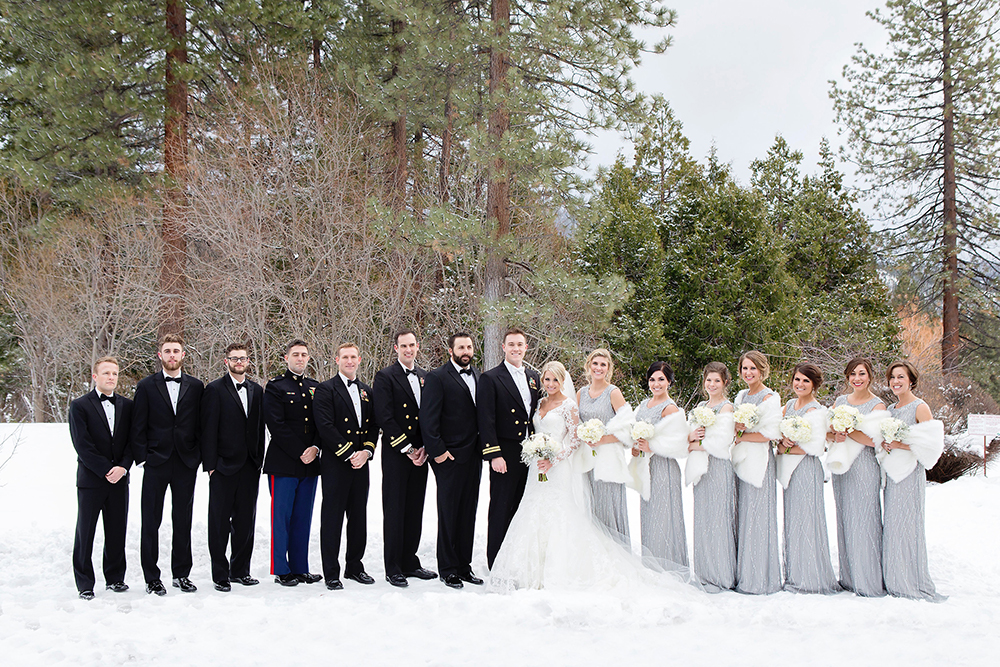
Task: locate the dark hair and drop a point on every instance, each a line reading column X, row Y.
column 236, row 346
column 402, row 332
column 811, row 371
column 911, row 371
column 295, row 342
column 514, row 331
column 663, row 367
column 170, row 338
column 717, row 367
column 854, row 363
column 460, row 334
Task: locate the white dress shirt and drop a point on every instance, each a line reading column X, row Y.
column 469, row 379
column 355, row 393
column 414, row 382
column 174, row 389
column 109, row 411
column 521, row 381
column 242, row 393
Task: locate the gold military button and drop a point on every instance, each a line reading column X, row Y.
column 300, row 384
column 307, row 418
column 348, row 431
column 306, row 407
column 512, row 410
column 517, row 422
column 345, row 419
column 404, row 405
column 409, row 428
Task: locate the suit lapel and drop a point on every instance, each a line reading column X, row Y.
column 102, row 416
column 185, row 383
column 161, row 384
column 535, row 393
column 231, row 388
column 508, row 382
column 399, row 375
column 341, row 388
column 455, row 375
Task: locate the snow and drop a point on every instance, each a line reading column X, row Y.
column 43, row 622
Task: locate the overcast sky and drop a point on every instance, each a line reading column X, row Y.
column 739, row 72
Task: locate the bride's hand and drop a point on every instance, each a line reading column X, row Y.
column 544, row 466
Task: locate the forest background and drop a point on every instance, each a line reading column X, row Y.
column 333, row 170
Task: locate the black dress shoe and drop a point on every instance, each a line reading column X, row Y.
column 421, row 573
column 117, row 587
column 471, row 578
column 361, row 577
column 156, row 586
column 308, row 578
column 287, row 579
column 452, row 581
column 397, row 580
column 334, row 585
column 222, row 586
column 246, row 580
column 86, row 595
column 184, row 584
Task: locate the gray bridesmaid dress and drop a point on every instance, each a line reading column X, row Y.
column 857, row 496
column 808, row 568
column 904, row 545
column 662, row 516
column 608, row 497
column 715, row 523
column 758, row 568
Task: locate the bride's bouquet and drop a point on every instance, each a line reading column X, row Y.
column 748, row 415
column 590, row 432
column 845, row 418
column 539, row 447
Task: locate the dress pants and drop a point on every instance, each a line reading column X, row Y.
column 345, row 493
column 291, row 518
column 111, row 501
column 404, row 487
column 232, row 510
column 155, row 480
column 457, row 497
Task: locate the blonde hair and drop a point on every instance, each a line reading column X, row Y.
column 759, row 360
column 556, row 369
column 104, row 360
column 599, row 352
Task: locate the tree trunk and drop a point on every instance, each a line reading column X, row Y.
column 317, row 56
column 498, row 187
column 950, row 342
column 172, row 280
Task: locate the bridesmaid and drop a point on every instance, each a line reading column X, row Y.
column 601, row 400
column 758, row 570
column 662, row 516
column 856, row 493
column 715, row 496
column 807, row 547
column 904, row 545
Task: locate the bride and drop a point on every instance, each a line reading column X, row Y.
column 553, row 540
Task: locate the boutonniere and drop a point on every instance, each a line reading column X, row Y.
column 312, row 391
column 533, row 384
column 364, row 395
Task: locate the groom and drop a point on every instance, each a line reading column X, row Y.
column 506, row 400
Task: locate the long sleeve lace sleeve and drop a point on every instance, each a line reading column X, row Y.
column 570, row 441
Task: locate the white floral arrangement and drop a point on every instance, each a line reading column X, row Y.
column 539, row 447
column 702, row 417
column 796, row 429
column 892, row 430
column 643, row 430
column 747, row 414
column 845, row 418
column 591, row 431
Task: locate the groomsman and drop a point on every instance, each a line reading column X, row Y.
column 99, row 428
column 291, row 466
column 232, row 441
column 166, row 420
column 397, row 389
column 347, row 431
column 449, row 428
column 506, row 402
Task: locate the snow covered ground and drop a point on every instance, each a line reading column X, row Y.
column 43, row 622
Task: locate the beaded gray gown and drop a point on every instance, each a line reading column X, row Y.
column 608, row 497
column 715, row 523
column 904, row 544
column 808, row 568
column 662, row 516
column 857, row 496
column 758, row 569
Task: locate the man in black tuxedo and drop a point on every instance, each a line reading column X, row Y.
column 291, row 466
column 232, row 442
column 345, row 418
column 506, row 403
column 166, row 424
column 449, row 428
column 398, row 388
column 99, row 423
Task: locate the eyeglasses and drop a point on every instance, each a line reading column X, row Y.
column 237, row 360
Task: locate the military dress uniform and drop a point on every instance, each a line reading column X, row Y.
column 288, row 414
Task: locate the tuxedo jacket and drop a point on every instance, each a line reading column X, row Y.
column 340, row 434
column 503, row 421
column 288, row 414
column 230, row 437
column 97, row 452
column 156, row 431
column 396, row 410
column 448, row 420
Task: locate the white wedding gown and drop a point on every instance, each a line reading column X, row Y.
column 554, row 541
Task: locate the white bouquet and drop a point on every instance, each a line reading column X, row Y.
column 703, row 417
column 892, row 430
column 845, row 418
column 642, row 431
column 591, row 431
column 796, row 429
column 748, row 415
column 539, row 447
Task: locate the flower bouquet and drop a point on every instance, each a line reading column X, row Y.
column 539, row 447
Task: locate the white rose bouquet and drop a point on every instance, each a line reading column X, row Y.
column 796, row 429
column 642, row 431
column 748, row 415
column 539, row 447
column 892, row 430
column 845, row 418
column 590, row 432
column 703, row 417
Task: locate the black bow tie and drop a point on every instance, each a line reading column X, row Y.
column 466, row 371
column 167, row 378
column 409, row 371
column 350, row 382
column 241, row 385
column 109, row 399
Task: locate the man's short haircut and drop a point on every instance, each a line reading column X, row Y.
column 514, row 331
column 452, row 338
column 344, row 346
column 104, row 360
column 403, row 332
column 296, row 342
column 237, row 346
column 170, row 338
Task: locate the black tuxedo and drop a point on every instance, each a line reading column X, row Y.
column 448, row 424
column 97, row 453
column 233, row 447
column 404, row 485
column 503, row 425
column 345, row 489
column 170, row 447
